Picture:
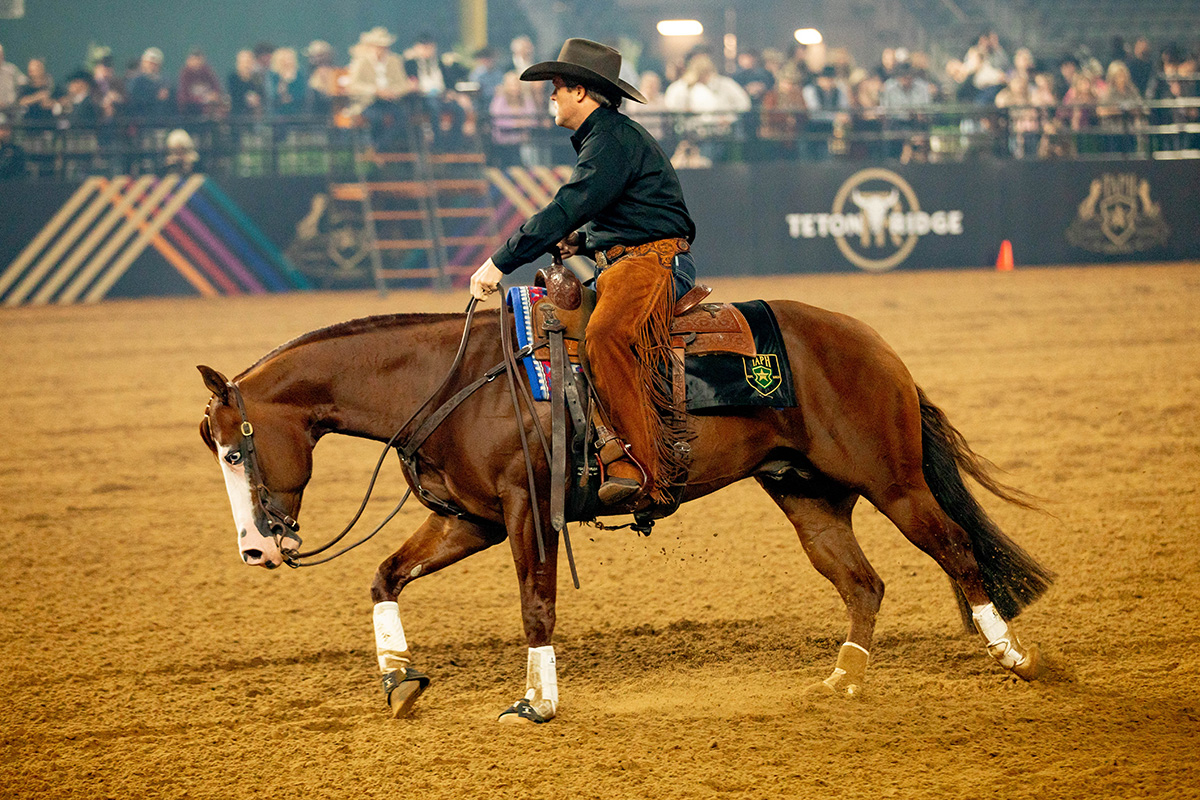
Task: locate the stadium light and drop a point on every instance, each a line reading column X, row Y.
column 809, row 36
column 680, row 27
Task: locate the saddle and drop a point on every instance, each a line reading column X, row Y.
column 698, row 328
column 559, row 322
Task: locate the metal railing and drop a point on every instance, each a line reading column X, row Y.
column 314, row 146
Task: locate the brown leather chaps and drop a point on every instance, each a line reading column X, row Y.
column 629, row 350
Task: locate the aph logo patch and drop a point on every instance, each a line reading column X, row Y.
column 763, row 373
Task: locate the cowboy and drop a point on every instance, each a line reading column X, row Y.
column 622, row 206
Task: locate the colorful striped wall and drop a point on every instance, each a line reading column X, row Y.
column 107, row 224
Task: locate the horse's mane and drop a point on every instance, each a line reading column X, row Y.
column 349, row 328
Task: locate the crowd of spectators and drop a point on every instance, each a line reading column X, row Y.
column 803, row 102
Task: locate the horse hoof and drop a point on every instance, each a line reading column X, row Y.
column 1032, row 668
column 522, row 712
column 404, row 698
column 402, row 687
column 833, row 687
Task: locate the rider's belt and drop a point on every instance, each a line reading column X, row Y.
column 666, row 249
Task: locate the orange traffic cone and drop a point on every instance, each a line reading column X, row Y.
column 1004, row 261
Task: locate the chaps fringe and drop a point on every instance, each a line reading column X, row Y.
column 656, row 365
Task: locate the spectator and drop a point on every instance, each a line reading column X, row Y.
column 12, row 155
column 1024, row 64
column 752, row 76
column 798, row 60
column 322, row 77
column 828, row 102
column 286, row 83
column 987, row 66
column 1024, row 122
column 688, row 156
column 182, row 158
column 378, row 84
column 1121, row 109
column 37, row 97
column 149, row 92
column 1141, row 67
column 522, row 54
column 867, row 122
column 653, row 114
column 513, row 114
column 886, row 68
column 423, row 68
column 905, row 91
column 521, row 51
column 245, row 86
column 783, row 113
column 11, row 81
column 79, row 104
column 110, row 90
column 919, row 61
column 487, row 74
column 1068, row 67
column 1077, row 113
column 713, row 100
column 198, row 93
column 262, row 68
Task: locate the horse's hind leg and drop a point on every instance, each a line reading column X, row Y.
column 824, row 527
column 438, row 543
column 919, row 516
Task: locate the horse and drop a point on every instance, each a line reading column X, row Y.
column 861, row 427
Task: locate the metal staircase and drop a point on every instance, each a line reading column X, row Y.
column 428, row 216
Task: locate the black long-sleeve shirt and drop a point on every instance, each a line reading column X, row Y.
column 623, row 187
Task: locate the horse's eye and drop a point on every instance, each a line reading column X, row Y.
column 234, row 457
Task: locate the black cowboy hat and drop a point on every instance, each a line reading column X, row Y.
column 591, row 64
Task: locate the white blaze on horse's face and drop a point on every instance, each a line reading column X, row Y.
column 255, row 549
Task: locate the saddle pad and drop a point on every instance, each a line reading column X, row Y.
column 521, row 299
column 719, row 380
column 714, row 380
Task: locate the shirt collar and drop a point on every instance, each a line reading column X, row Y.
column 597, row 116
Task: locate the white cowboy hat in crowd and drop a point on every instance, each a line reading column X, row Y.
column 377, row 36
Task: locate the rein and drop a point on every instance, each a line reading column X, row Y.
column 285, row 529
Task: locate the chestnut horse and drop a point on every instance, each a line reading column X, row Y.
column 861, row 428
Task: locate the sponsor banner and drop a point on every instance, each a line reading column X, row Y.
column 132, row 237
column 763, row 219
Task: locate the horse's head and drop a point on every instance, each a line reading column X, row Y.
column 266, row 457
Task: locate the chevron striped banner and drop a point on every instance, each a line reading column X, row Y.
column 94, row 239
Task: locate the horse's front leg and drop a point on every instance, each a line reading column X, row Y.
column 439, row 542
column 538, row 583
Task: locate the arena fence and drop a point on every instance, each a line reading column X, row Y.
column 130, row 236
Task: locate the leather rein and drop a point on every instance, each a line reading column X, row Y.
column 285, row 529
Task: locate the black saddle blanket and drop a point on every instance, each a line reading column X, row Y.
column 721, row 380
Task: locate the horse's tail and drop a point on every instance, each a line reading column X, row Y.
column 1012, row 578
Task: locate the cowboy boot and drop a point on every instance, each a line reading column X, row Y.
column 624, row 478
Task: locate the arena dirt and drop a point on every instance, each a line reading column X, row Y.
column 141, row 659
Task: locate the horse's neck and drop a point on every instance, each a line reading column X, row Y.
column 368, row 384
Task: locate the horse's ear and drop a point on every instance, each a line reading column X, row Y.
column 216, row 382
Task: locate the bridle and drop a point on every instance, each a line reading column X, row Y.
column 285, row 529
column 281, row 524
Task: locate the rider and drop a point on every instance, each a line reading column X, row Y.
column 639, row 232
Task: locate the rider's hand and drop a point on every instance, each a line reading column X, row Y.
column 570, row 246
column 485, row 280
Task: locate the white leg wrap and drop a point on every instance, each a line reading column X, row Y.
column 390, row 644
column 541, row 680
column 1002, row 644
